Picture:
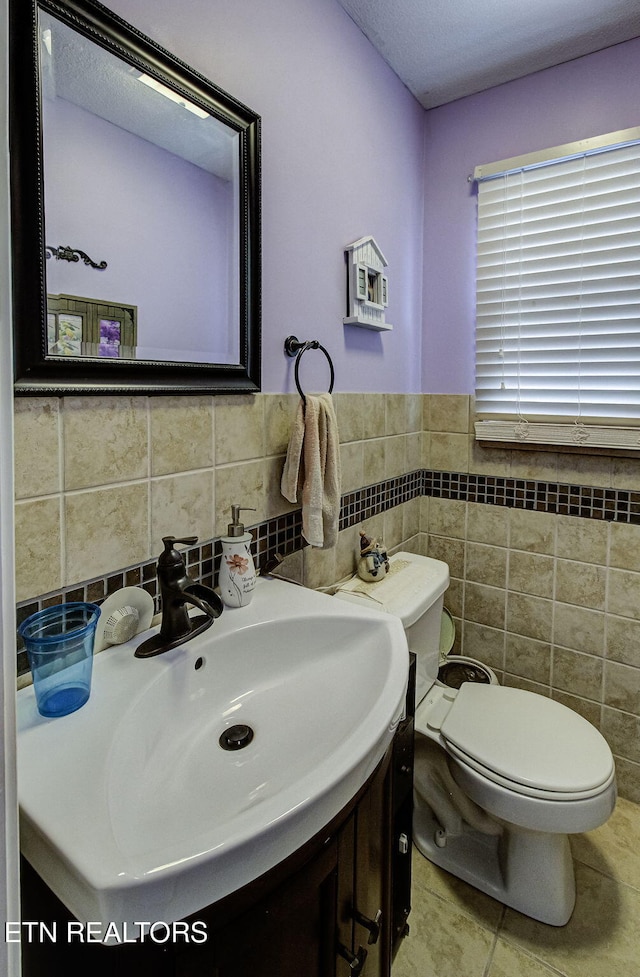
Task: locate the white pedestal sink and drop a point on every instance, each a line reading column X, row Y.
column 132, row 811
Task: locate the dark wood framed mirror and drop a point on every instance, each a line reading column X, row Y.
column 136, row 181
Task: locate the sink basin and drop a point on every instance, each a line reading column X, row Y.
column 134, row 808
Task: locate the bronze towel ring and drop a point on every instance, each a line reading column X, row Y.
column 293, row 347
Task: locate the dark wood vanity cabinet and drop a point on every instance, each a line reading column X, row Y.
column 337, row 907
column 315, row 922
column 402, row 817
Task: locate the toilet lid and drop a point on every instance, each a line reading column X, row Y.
column 527, row 739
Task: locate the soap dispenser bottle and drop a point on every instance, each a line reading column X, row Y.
column 237, row 576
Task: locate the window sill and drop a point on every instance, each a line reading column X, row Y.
column 547, row 436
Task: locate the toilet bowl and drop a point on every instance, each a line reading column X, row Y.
column 503, row 775
column 456, row 669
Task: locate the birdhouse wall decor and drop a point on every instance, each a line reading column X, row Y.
column 367, row 287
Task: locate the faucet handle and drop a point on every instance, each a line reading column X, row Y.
column 170, row 540
column 171, row 557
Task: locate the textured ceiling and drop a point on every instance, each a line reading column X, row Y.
column 445, row 49
column 76, row 69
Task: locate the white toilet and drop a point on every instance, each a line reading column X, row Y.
column 502, row 776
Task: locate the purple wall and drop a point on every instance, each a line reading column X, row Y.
column 593, row 95
column 342, row 158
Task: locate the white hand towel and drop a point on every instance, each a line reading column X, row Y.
column 312, row 470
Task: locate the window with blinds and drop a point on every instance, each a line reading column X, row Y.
column 558, row 296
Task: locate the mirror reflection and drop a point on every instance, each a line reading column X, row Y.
column 135, row 212
column 144, row 183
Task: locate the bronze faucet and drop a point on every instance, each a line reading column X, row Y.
column 178, row 591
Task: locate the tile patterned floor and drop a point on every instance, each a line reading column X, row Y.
column 457, row 931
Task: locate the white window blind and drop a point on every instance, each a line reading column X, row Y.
column 558, row 300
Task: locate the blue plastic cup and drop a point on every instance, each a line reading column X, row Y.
column 59, row 643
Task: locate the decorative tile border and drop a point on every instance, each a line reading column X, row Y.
column 283, row 534
column 559, row 498
column 371, row 501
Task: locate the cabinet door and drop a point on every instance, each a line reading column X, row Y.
column 344, row 935
column 402, row 794
column 291, row 932
column 364, row 885
column 372, row 884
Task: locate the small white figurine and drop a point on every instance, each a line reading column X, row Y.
column 374, row 562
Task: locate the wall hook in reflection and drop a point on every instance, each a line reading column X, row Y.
column 65, row 253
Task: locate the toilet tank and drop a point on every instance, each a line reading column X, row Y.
column 413, row 590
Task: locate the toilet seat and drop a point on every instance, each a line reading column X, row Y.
column 518, row 788
column 521, row 741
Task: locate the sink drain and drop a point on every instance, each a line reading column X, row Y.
column 236, row 737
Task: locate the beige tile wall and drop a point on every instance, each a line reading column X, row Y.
column 551, row 602
column 99, row 481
